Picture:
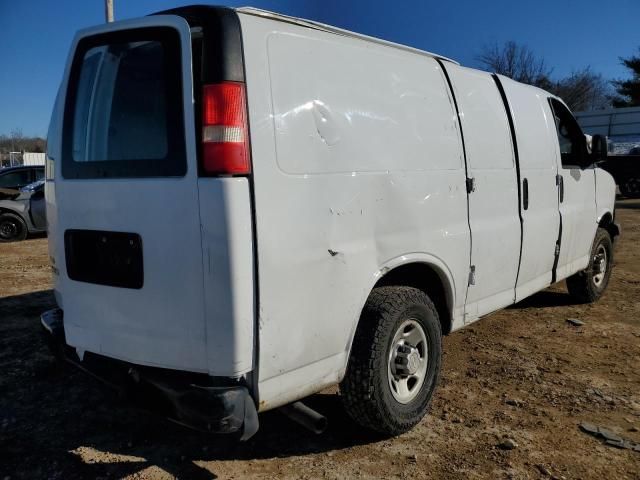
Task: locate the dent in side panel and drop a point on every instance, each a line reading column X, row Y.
column 369, row 115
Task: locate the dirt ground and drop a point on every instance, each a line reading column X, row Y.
column 523, row 373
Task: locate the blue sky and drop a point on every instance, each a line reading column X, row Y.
column 569, row 34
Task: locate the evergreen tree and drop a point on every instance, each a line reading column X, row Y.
column 629, row 90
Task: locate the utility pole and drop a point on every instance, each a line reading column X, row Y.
column 108, row 10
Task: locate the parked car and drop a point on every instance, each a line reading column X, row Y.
column 625, row 170
column 337, row 204
column 22, row 212
column 14, row 178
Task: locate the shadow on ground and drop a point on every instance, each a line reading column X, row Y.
column 628, row 203
column 83, row 430
column 545, row 299
column 57, row 413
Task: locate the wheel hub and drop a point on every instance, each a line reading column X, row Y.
column 407, row 367
column 407, row 360
column 599, row 266
column 8, row 229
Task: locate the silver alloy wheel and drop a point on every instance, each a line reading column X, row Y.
column 407, row 365
column 599, row 265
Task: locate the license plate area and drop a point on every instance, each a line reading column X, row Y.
column 104, row 258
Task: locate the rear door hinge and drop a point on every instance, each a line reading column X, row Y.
column 472, row 275
column 471, row 184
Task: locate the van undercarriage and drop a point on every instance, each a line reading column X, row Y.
column 197, row 401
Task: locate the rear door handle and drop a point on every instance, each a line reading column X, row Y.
column 525, row 194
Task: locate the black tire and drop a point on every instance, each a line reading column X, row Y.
column 630, row 188
column 583, row 286
column 366, row 389
column 12, row 228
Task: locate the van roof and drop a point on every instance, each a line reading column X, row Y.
column 339, row 31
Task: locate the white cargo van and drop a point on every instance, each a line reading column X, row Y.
column 246, row 208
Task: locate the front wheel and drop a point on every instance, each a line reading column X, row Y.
column 12, row 228
column 589, row 285
column 395, row 361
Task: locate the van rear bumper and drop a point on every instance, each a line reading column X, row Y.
column 190, row 399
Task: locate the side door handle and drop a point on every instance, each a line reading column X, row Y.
column 525, row 194
column 560, row 183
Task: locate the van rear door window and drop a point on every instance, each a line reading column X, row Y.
column 123, row 116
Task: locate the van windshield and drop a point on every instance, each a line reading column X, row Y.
column 124, row 110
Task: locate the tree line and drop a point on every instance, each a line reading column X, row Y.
column 15, row 141
column 582, row 90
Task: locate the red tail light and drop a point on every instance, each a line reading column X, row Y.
column 225, row 135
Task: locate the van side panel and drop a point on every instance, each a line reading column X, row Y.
column 605, row 193
column 493, row 205
column 534, row 127
column 358, row 164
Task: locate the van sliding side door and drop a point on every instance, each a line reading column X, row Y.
column 492, row 191
column 533, row 124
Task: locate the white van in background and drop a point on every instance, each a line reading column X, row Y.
column 246, row 208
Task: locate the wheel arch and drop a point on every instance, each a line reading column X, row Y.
column 428, row 278
column 606, row 221
column 422, row 271
column 4, row 210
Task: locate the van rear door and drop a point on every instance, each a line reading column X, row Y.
column 128, row 224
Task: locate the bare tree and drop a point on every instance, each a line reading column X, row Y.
column 582, row 90
column 517, row 62
column 16, row 137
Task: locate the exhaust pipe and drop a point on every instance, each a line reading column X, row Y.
column 305, row 416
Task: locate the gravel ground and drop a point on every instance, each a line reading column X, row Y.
column 523, row 378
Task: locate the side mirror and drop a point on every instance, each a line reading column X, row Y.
column 599, row 148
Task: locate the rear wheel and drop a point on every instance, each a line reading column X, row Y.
column 395, row 361
column 589, row 285
column 631, row 188
column 12, row 228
